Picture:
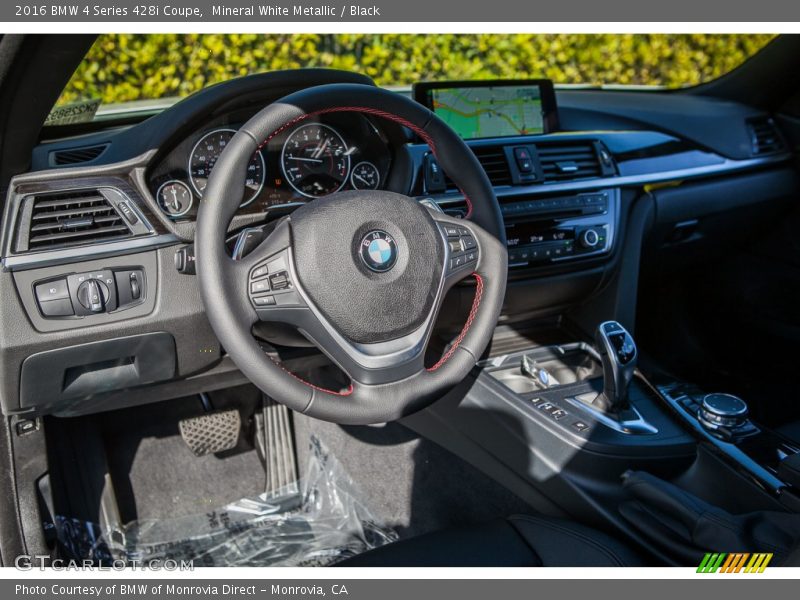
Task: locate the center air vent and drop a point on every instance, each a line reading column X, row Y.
column 494, row 163
column 73, row 218
column 764, row 136
column 575, row 159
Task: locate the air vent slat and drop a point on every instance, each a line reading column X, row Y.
column 494, row 163
column 114, row 231
column 71, row 156
column 561, row 161
column 765, row 137
column 75, row 212
column 73, row 218
column 69, row 200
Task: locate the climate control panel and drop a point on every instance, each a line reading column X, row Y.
column 552, row 230
column 74, row 295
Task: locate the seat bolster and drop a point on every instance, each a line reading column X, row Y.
column 492, row 544
column 560, row 543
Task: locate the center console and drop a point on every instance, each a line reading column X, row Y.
column 578, row 423
column 722, row 420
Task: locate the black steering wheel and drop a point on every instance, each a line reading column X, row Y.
column 362, row 274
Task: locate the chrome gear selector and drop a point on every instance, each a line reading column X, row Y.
column 618, row 352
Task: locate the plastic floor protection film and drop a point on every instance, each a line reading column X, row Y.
column 323, row 523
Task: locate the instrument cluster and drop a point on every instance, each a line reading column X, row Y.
column 318, row 157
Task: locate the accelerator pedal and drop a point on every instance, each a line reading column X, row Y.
column 212, row 432
column 275, row 439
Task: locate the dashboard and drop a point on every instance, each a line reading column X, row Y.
column 322, row 156
column 606, row 173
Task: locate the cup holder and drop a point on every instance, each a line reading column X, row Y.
column 547, row 368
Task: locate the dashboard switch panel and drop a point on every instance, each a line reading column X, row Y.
column 75, row 295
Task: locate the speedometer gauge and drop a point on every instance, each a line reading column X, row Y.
column 205, row 154
column 315, row 160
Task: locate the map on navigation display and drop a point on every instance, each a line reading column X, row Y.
column 491, row 111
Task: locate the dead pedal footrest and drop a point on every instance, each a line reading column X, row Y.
column 211, row 433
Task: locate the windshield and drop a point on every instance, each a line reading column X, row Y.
column 157, row 69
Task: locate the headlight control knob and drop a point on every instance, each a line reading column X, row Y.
column 93, row 294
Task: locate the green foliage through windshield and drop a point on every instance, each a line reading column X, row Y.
column 122, row 68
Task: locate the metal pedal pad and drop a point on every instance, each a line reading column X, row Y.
column 211, row 433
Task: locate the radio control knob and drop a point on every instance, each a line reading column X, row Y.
column 589, row 238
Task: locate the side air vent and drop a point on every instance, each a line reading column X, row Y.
column 73, row 218
column 566, row 161
column 764, row 136
column 73, row 156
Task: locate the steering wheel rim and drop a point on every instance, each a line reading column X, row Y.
column 384, row 357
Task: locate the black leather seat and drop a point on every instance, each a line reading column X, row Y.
column 519, row 541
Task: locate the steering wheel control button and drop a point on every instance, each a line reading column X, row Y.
column 451, row 231
column 259, row 272
column 279, row 281
column 259, row 287
column 378, row 251
column 271, row 285
column 455, row 246
column 264, row 301
column 462, row 247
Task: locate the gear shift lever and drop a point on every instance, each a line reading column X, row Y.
column 618, row 353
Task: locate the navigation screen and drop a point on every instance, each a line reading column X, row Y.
column 489, row 109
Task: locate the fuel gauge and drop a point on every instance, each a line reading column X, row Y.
column 365, row 176
column 174, row 198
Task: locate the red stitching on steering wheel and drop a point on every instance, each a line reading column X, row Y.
column 346, row 392
column 371, row 111
column 472, row 314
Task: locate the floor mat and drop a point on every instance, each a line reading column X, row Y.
column 414, row 485
column 155, row 473
column 325, row 523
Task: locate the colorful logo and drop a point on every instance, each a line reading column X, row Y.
column 736, row 562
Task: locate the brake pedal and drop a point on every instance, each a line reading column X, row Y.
column 211, row 433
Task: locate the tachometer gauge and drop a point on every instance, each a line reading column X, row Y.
column 315, row 160
column 365, row 176
column 205, row 154
column 174, row 198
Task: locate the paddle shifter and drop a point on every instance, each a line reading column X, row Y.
column 618, row 353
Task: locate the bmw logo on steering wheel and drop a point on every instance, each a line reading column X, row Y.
column 378, row 251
